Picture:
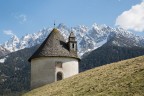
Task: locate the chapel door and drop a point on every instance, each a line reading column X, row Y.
column 59, row 76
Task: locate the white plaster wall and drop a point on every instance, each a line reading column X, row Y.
column 69, row 68
column 44, row 71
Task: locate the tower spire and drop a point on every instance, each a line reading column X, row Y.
column 54, row 24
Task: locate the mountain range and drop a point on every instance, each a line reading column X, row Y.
column 88, row 38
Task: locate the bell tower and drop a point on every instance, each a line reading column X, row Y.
column 72, row 43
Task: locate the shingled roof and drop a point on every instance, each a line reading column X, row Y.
column 54, row 46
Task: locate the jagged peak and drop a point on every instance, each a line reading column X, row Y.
column 99, row 27
column 62, row 25
column 13, row 39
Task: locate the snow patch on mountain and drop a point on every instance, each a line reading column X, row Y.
column 2, row 60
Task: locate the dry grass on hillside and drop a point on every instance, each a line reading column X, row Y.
column 125, row 78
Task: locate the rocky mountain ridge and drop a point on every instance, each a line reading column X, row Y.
column 88, row 38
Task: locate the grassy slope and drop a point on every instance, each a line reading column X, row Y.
column 125, row 78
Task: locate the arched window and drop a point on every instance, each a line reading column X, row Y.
column 59, row 76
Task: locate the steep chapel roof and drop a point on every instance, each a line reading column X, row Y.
column 54, row 46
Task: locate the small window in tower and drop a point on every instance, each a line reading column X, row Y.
column 59, row 64
column 73, row 45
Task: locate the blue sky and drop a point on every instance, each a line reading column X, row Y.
column 22, row 17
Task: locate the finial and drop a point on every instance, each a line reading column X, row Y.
column 54, row 24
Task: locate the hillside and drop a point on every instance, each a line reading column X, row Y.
column 125, row 78
column 117, row 48
column 107, row 54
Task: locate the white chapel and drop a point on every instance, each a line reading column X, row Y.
column 54, row 60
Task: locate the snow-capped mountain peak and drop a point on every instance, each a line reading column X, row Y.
column 88, row 38
column 11, row 44
column 99, row 27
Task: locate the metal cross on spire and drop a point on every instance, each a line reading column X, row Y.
column 54, row 24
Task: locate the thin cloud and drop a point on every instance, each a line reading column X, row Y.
column 132, row 19
column 8, row 32
column 22, row 18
